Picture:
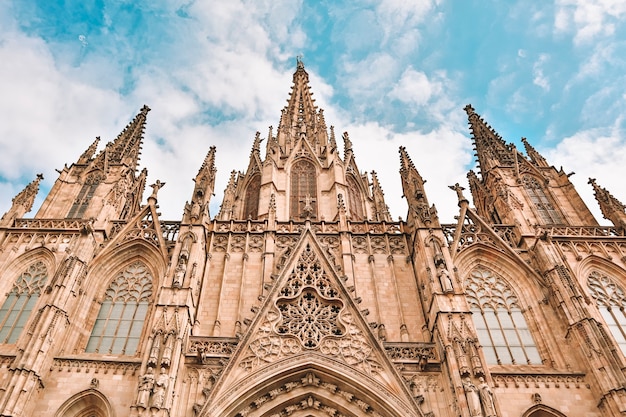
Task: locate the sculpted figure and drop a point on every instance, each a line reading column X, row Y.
column 473, row 399
column 146, row 384
column 160, row 388
column 486, row 398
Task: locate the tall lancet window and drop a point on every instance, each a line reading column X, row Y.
column 124, row 309
column 251, row 207
column 611, row 301
column 303, row 200
column 84, row 196
column 499, row 321
column 547, row 213
column 20, row 301
column 354, row 199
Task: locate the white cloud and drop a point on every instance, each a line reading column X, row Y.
column 589, row 19
column 539, row 78
column 593, row 153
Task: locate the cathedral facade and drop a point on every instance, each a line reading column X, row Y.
column 302, row 297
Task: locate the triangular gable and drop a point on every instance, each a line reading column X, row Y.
column 309, row 328
column 145, row 226
column 303, row 148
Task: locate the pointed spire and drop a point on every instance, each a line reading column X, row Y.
column 226, row 210
column 491, row 150
column 203, row 189
column 534, row 156
column 300, row 115
column 612, row 209
column 126, row 148
column 89, row 152
column 23, row 201
column 413, row 188
column 380, row 207
column 333, row 142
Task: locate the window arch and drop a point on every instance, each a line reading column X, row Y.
column 354, row 199
column 611, row 301
column 21, row 300
column 547, row 213
column 85, row 195
column 251, row 207
column 303, row 190
column 124, row 309
column 499, row 321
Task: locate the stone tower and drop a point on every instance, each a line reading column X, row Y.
column 301, row 297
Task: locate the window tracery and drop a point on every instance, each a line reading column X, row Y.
column 354, row 199
column 125, row 306
column 547, row 213
column 499, row 320
column 303, row 190
column 84, row 196
column 611, row 301
column 20, row 301
column 251, row 208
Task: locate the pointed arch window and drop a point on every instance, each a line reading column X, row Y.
column 303, row 199
column 611, row 301
column 251, row 204
column 124, row 309
column 547, row 213
column 20, row 302
column 354, row 199
column 84, row 196
column 499, row 320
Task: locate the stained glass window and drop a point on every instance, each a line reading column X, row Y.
column 499, row 320
column 547, row 213
column 20, row 302
column 251, row 208
column 303, row 190
column 125, row 306
column 611, row 301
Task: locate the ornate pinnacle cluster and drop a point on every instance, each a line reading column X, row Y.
column 534, row 156
column 26, row 197
column 491, row 149
column 89, row 152
column 126, row 148
column 612, row 209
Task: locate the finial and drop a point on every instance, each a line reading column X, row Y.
column 469, row 110
column 155, row 189
column 299, row 63
column 459, row 192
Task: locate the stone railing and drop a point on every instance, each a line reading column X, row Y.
column 582, row 231
column 54, row 224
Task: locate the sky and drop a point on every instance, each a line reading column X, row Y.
column 390, row 72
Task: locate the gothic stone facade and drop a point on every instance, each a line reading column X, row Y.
column 302, row 297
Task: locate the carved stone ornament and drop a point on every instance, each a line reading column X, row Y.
column 309, row 314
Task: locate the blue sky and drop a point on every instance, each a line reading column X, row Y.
column 392, row 73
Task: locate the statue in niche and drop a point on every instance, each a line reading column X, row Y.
column 179, row 273
column 160, row 388
column 473, row 398
column 155, row 350
column 442, row 271
column 486, row 398
column 167, row 350
column 146, row 384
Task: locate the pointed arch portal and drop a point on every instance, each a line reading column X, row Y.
column 309, row 385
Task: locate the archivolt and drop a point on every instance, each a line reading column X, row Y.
column 88, row 403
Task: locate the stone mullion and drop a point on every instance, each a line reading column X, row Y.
column 372, row 263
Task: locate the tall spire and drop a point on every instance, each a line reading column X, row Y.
column 22, row 202
column 535, row 157
column 491, row 149
column 300, row 116
column 125, row 149
column 612, row 209
column 413, row 188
